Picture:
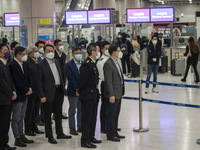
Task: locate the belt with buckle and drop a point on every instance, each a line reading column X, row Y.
column 57, row 86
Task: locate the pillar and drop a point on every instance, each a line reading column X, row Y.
column 37, row 18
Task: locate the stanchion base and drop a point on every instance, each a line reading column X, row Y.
column 141, row 129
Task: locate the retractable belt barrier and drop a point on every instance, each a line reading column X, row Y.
column 163, row 102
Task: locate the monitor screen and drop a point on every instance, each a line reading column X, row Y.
column 11, row 19
column 76, row 17
column 99, row 17
column 138, row 15
column 162, row 14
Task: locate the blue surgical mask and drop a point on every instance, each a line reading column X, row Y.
column 78, row 57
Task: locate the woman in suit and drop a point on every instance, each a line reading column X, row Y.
column 192, row 53
column 154, row 54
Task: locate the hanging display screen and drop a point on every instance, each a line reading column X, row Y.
column 11, row 19
column 162, row 14
column 76, row 17
column 99, row 17
column 138, row 15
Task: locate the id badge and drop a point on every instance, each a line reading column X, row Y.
column 154, row 59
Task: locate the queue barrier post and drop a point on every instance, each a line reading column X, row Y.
column 141, row 128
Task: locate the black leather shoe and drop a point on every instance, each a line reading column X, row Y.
column 119, row 129
column 52, row 141
column 64, row 117
column 96, row 141
column 88, row 145
column 114, row 139
column 120, row 136
column 7, row 147
column 25, row 140
column 63, row 136
column 39, row 132
column 19, row 143
column 30, row 134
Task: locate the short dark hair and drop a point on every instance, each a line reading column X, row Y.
column 123, row 34
column 4, row 40
column 13, row 44
column 76, row 49
column 90, row 48
column 154, row 36
column 56, row 41
column 112, row 48
column 2, row 45
column 104, row 43
column 93, row 44
column 19, row 50
column 48, row 45
column 39, row 42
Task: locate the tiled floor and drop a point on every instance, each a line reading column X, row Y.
column 171, row 127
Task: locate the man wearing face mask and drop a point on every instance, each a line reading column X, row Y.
column 154, row 54
column 21, row 79
column 114, row 90
column 30, row 122
column 61, row 57
column 117, row 39
column 40, row 45
column 8, row 95
column 89, row 97
column 51, row 89
column 105, row 55
column 73, row 75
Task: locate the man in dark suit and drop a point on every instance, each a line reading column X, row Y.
column 19, row 72
column 114, row 90
column 13, row 45
column 89, row 97
column 8, row 94
column 61, row 57
column 30, row 122
column 51, row 92
column 73, row 75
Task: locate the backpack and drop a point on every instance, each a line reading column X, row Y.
column 124, row 47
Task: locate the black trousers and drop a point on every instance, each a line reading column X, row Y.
column 103, row 108
column 112, row 116
column 5, row 115
column 56, row 108
column 126, row 60
column 192, row 61
column 30, row 123
column 88, row 121
column 39, row 112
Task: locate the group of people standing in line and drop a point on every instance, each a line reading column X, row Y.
column 40, row 71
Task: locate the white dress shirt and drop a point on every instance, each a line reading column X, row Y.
column 20, row 64
column 59, row 54
column 54, row 71
column 100, row 65
column 3, row 61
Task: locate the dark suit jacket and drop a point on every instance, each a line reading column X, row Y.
column 114, row 86
column 88, row 82
column 32, row 70
column 73, row 76
column 6, row 85
column 46, row 81
column 153, row 52
column 21, row 80
column 61, row 61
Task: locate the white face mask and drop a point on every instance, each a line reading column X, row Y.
column 50, row 55
column 98, row 55
column 120, row 55
column 154, row 42
column 24, row 58
column 41, row 50
column 61, row 48
column 37, row 55
column 107, row 53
